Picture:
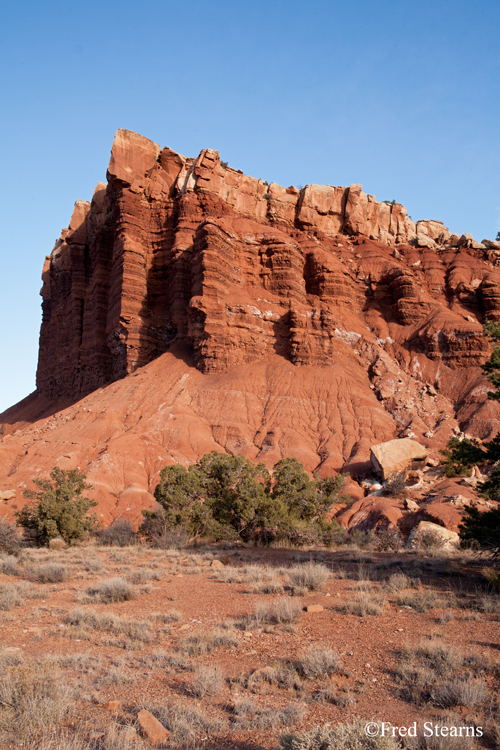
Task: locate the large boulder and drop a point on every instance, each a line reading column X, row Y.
column 395, row 456
column 428, row 534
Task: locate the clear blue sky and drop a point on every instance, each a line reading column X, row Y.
column 402, row 97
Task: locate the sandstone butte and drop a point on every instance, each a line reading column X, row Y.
column 190, row 308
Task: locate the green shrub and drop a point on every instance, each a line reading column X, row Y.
column 481, row 528
column 58, row 508
column 461, row 456
column 225, row 496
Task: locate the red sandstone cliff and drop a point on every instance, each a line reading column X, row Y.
column 268, row 321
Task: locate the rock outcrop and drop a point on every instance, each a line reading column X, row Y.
column 395, row 456
column 190, row 250
column 189, row 307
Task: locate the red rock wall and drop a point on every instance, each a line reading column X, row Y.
column 193, row 252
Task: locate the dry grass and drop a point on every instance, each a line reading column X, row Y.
column 331, row 695
column 83, row 621
column 171, row 615
column 273, row 586
column 389, row 540
column 208, row 681
column 429, row 540
column 460, row 692
column 10, row 538
column 439, row 740
column 247, row 715
column 309, row 575
column 141, row 575
column 8, row 564
column 283, row 675
column 256, row 574
column 48, row 573
column 319, row 662
column 341, row 737
column 489, row 605
column 187, row 724
column 435, row 654
column 398, row 582
column 110, row 591
column 492, row 733
column 364, row 605
column 421, row 601
column 283, row 610
column 32, row 697
column 15, row 594
column 195, row 645
column 116, row 737
column 430, row 673
column 395, row 485
column 434, row 672
column 493, row 578
column 57, row 544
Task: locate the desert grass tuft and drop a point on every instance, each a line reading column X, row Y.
column 282, row 674
column 319, row 662
column 203, row 643
column 247, row 715
column 273, row 586
column 208, row 681
column 15, row 594
column 32, row 697
column 398, row 582
column 460, row 691
column 420, row 601
column 440, row 740
column 9, row 564
column 171, row 615
column 141, row 575
column 283, row 610
column 364, row 605
column 48, row 573
column 350, row 736
column 111, row 591
column 187, row 724
column 84, row 620
column 309, row 575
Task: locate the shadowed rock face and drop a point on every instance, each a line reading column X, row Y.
column 312, row 322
